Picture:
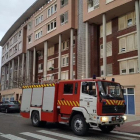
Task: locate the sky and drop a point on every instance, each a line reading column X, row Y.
column 10, row 11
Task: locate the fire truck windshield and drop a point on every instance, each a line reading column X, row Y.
column 110, row 90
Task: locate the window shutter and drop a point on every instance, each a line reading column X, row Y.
column 136, row 65
column 101, row 31
column 134, row 15
column 109, row 69
column 101, row 51
column 131, row 65
column 102, row 72
column 52, row 50
column 130, row 42
column 122, row 23
column 123, row 66
column 109, row 49
column 109, row 28
column 136, row 46
column 66, row 75
column 62, row 76
column 122, row 44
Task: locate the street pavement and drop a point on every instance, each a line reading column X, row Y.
column 14, row 127
column 132, row 125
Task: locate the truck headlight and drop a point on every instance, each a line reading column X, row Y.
column 104, row 119
column 125, row 118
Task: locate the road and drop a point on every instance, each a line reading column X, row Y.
column 14, row 127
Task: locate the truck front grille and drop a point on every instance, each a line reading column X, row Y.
column 113, row 109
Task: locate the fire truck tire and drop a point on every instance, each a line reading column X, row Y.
column 35, row 119
column 79, row 125
column 107, row 128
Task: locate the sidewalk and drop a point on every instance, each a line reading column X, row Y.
column 132, row 125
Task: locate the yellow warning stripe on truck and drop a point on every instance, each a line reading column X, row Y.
column 38, row 86
column 68, row 103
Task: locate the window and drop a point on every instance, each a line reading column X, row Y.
column 15, row 38
column 50, row 64
column 109, row 71
column 74, row 59
column 29, row 39
column 51, row 26
column 68, row 88
column 40, row 68
column 64, row 75
column 29, row 25
column 129, row 66
column 39, row 19
column 108, row 29
column 11, row 52
column 6, row 55
column 65, row 45
column 55, row 7
column 64, row 3
column 128, row 43
column 20, row 46
column 127, row 21
column 38, row 34
column 51, row 10
column 89, row 88
column 92, row 4
column 40, row 55
column 108, row 1
column 76, row 88
column 130, row 90
column 19, row 33
column 51, row 51
column 65, row 60
column 15, row 49
column 64, row 18
column 109, row 49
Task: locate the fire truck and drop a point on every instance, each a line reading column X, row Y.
column 81, row 104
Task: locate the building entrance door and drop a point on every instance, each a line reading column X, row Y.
column 129, row 100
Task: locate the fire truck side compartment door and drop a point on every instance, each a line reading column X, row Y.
column 26, row 99
column 48, row 100
column 37, row 97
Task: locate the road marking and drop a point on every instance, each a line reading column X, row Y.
column 1, row 133
column 137, row 124
column 36, row 136
column 117, row 132
column 12, row 137
column 60, row 135
column 122, row 137
column 124, row 133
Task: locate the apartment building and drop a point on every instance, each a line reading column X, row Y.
column 74, row 39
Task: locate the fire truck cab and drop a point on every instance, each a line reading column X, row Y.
column 79, row 103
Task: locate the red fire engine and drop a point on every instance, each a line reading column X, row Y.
column 79, row 103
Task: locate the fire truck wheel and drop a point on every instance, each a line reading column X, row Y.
column 35, row 119
column 79, row 125
column 107, row 128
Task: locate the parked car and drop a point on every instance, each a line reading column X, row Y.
column 10, row 106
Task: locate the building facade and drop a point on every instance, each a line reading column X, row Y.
column 74, row 39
